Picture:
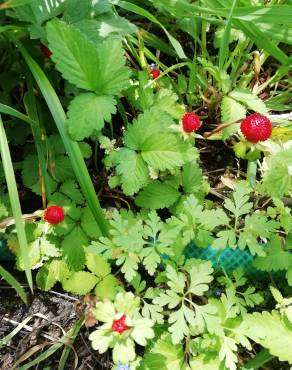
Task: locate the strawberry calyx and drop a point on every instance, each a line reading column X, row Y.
column 119, row 325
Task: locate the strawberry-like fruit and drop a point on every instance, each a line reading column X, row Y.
column 120, row 325
column 54, row 215
column 191, row 122
column 256, row 128
column 46, row 51
column 155, row 73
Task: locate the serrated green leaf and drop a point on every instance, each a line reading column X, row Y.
column 163, row 152
column 85, row 149
column 88, row 224
column 80, row 282
column 62, row 169
column 73, row 248
column 88, row 113
column 157, row 195
column 246, row 97
column 231, row 110
column 75, row 56
column 70, row 188
column 50, row 273
column 191, row 177
column 132, row 170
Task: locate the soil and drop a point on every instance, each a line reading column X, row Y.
column 58, row 311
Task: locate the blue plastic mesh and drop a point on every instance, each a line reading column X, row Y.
column 227, row 259
column 5, row 254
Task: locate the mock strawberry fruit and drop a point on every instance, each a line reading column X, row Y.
column 155, row 73
column 191, row 122
column 46, row 51
column 120, row 325
column 256, row 128
column 54, row 215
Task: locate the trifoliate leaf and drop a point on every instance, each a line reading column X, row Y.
column 132, row 170
column 80, row 282
column 231, row 110
column 157, row 195
column 88, row 113
column 73, row 248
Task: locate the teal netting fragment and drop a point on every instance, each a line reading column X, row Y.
column 5, row 254
column 227, row 259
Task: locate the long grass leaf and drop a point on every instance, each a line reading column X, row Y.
column 144, row 13
column 258, row 360
column 4, row 341
column 14, row 283
column 69, row 336
column 14, row 201
column 224, row 44
column 71, row 146
column 5, row 109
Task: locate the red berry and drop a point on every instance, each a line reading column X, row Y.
column 120, row 325
column 46, row 51
column 191, row 122
column 54, row 215
column 155, row 73
column 256, row 128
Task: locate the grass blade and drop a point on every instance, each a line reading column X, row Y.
column 14, row 201
column 4, row 341
column 224, row 45
column 71, row 146
column 5, row 109
column 259, row 360
column 144, row 13
column 14, row 283
column 69, row 336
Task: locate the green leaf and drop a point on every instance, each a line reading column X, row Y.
column 246, row 97
column 163, row 356
column 231, row 110
column 70, row 188
column 50, row 273
column 270, row 331
column 10, row 279
column 98, row 265
column 201, row 276
column 276, row 258
column 81, row 282
column 228, row 353
column 240, row 206
column 75, row 56
column 133, row 171
column 163, row 152
column 157, row 195
column 87, row 114
column 191, row 177
column 106, row 287
column 73, row 248
column 88, row 224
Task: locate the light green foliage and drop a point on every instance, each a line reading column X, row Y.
column 50, row 273
column 270, row 330
column 164, row 355
column 277, row 179
column 251, row 101
column 179, row 295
